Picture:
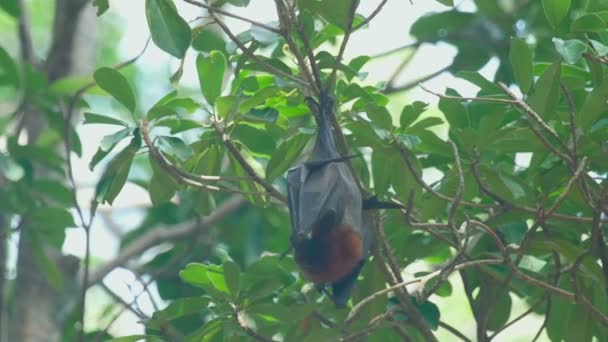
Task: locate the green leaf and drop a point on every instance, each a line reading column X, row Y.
column 160, row 111
column 71, row 84
column 520, row 56
column 455, row 111
column 109, row 141
column 48, row 265
column 207, row 40
column 115, row 84
column 514, row 232
column 259, row 98
column 429, row 311
column 275, row 312
column 594, row 106
column 546, row 92
column 500, row 311
column 532, row 263
column 446, row 2
column 54, row 190
column 556, row 11
column 162, row 186
column 102, row 6
column 52, row 217
column 92, row 118
column 211, row 75
column 600, row 48
column 256, row 140
column 226, row 105
column 9, row 73
column 10, row 169
column 410, row 141
column 336, row 12
column 178, row 308
column 590, row 22
column 174, row 146
column 232, row 274
column 285, row 155
column 11, row 7
column 115, row 174
column 425, row 123
column 570, row 50
column 205, row 276
column 169, row 31
column 411, row 112
column 434, row 26
column 380, row 172
column 379, row 116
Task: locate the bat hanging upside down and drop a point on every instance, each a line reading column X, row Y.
column 329, row 236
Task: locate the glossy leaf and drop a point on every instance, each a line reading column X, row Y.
column 556, row 11
column 211, row 75
column 115, row 84
column 571, row 50
column 102, row 6
column 232, row 275
column 169, row 31
column 588, row 23
column 285, row 155
column 520, row 56
column 546, row 92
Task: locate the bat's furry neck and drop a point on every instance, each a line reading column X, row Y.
column 325, row 146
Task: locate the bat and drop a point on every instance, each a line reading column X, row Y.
column 329, row 237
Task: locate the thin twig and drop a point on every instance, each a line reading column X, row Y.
column 354, row 312
column 573, row 128
column 186, row 178
column 580, row 297
column 536, row 117
column 269, row 68
column 549, row 298
column 232, row 15
column 459, row 193
column 416, row 82
column 454, row 331
column 308, row 49
column 371, row 16
column 520, row 317
column 238, row 317
column 245, row 165
column 349, row 29
column 598, row 244
column 569, row 186
column 405, row 153
column 286, row 23
column 477, row 99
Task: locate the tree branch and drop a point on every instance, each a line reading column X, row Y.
column 371, row 16
column 248, row 169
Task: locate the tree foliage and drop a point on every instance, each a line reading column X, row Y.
column 518, row 210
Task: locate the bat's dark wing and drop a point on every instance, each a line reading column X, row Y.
column 323, row 195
